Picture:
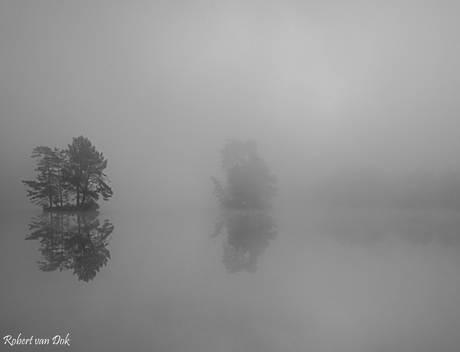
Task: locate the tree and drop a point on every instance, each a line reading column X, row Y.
column 59, row 160
column 249, row 181
column 66, row 175
column 84, row 172
column 43, row 190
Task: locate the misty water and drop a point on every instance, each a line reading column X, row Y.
column 331, row 279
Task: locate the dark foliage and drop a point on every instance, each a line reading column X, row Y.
column 72, row 241
column 71, row 179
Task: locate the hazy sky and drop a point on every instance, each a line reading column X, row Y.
column 157, row 86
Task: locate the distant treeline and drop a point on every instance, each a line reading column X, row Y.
column 367, row 187
column 71, row 178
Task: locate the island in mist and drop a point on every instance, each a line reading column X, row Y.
column 70, row 179
column 245, row 202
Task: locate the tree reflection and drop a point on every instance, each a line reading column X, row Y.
column 74, row 241
column 248, row 235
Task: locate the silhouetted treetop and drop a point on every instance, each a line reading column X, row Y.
column 84, row 171
column 71, row 178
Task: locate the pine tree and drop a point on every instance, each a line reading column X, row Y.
column 43, row 191
column 83, row 172
column 66, row 175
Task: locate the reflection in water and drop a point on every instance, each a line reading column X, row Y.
column 248, row 235
column 74, row 241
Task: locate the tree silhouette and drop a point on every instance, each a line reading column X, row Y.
column 76, row 174
column 84, row 171
column 44, row 190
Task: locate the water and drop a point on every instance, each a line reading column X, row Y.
column 330, row 280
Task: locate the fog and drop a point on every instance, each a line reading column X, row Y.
column 354, row 108
column 158, row 86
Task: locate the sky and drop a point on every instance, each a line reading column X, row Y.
column 158, row 86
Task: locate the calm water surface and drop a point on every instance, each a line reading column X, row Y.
column 322, row 280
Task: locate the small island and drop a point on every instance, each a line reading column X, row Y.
column 72, row 208
column 245, row 205
column 70, row 180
